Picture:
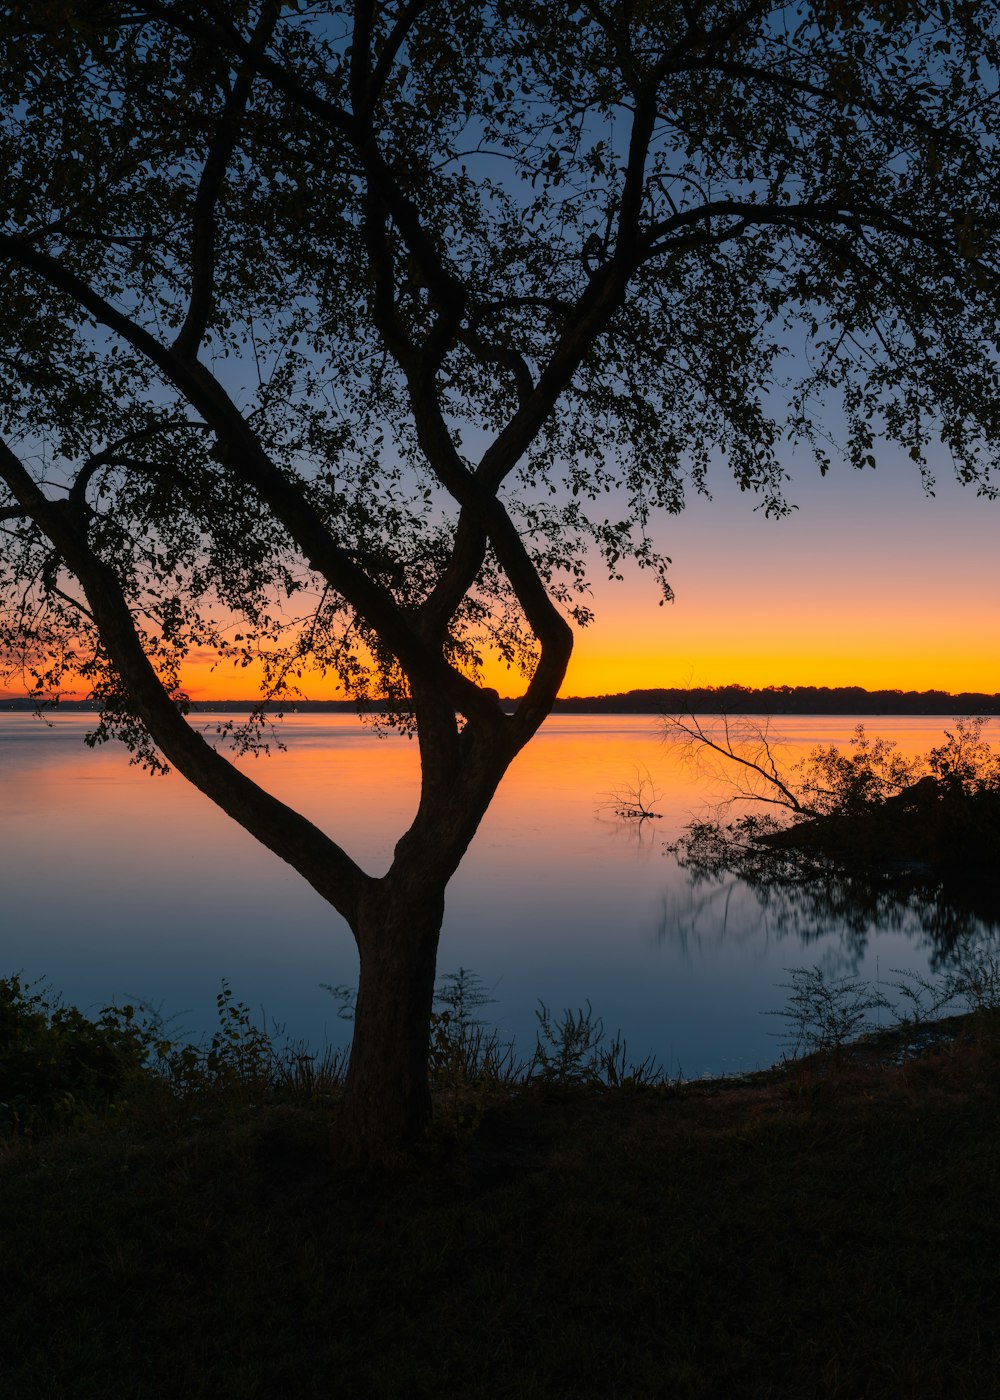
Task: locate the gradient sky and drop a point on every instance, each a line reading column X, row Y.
column 870, row 582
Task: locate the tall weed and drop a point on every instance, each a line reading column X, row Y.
column 824, row 1014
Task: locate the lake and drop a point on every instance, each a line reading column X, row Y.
column 122, row 886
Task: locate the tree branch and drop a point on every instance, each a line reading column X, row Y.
column 111, row 455
column 357, row 129
column 249, row 460
column 695, row 733
column 390, row 49
column 787, row 83
column 506, row 356
column 314, row 855
column 192, row 332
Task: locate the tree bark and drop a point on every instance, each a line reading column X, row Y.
column 386, row 1106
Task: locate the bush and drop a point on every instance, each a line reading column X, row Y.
column 826, row 1014
column 867, row 808
column 56, row 1064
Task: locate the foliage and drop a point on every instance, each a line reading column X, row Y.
column 975, row 980
column 869, row 807
column 465, row 1053
column 58, row 1065
column 822, row 1231
column 243, row 1060
column 462, row 1048
column 408, row 245
column 62, row 1069
column 574, row 1049
column 781, row 700
column 238, row 1050
column 825, row 1013
column 462, row 993
column 832, row 782
column 940, row 812
column 965, row 760
column 921, row 999
column 568, row 1048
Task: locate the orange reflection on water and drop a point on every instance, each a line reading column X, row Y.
column 119, row 884
column 363, row 789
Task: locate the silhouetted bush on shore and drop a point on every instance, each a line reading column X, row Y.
column 60, row 1067
column 866, row 807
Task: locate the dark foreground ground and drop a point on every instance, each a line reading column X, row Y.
column 830, row 1230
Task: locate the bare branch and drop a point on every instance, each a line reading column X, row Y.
column 633, row 802
column 690, row 731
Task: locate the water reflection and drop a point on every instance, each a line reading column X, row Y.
column 118, row 885
column 737, row 892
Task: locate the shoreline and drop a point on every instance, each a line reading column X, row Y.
column 788, row 701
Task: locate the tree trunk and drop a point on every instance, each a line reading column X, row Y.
column 387, row 1104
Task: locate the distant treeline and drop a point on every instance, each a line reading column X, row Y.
column 215, row 707
column 702, row 700
column 783, row 700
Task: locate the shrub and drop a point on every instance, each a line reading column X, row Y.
column 57, row 1064
column 826, row 1013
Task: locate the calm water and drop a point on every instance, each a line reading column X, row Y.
column 117, row 885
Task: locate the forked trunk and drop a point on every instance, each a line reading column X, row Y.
column 386, row 1104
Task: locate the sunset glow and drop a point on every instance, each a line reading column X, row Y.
column 869, row 582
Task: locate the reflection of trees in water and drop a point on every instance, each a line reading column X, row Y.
column 640, row 835
column 629, row 810
column 741, row 895
column 875, row 843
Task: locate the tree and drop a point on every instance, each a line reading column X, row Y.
column 353, row 336
column 867, row 810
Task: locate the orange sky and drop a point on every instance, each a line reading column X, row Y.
column 869, row 583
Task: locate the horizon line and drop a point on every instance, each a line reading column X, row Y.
column 778, row 690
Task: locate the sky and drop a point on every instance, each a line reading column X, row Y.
column 869, row 582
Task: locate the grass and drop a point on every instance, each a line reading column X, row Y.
column 826, row 1229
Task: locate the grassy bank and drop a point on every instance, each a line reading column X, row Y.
column 829, row 1229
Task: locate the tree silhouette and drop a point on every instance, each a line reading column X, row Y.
column 352, row 337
